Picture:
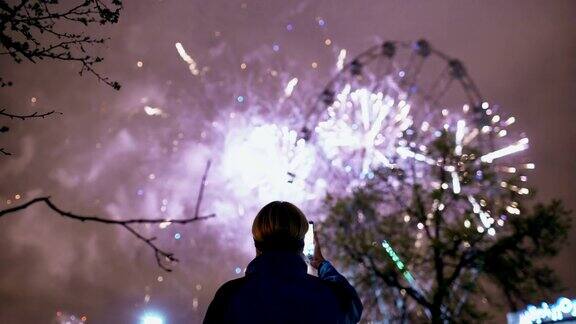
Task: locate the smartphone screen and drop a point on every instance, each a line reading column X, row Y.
column 309, row 241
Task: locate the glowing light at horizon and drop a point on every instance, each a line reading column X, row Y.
column 152, row 318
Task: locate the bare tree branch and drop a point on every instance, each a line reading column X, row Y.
column 35, row 30
column 201, row 191
column 159, row 253
column 29, row 116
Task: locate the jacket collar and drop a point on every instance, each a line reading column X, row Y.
column 278, row 263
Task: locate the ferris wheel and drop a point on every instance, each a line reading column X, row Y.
column 381, row 95
column 388, row 107
column 411, row 71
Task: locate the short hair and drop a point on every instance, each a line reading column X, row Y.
column 279, row 225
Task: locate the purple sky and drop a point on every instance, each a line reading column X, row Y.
column 95, row 157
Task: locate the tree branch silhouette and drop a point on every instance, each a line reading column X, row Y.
column 29, row 116
column 33, row 30
column 127, row 224
column 36, row 30
column 34, row 115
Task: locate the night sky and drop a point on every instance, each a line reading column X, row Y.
column 107, row 156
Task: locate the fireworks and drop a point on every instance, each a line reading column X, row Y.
column 219, row 87
column 381, row 112
column 519, row 146
column 361, row 130
column 187, row 58
column 268, row 142
column 266, row 160
column 388, row 112
column 400, row 142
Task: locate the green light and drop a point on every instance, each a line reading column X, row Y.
column 399, row 264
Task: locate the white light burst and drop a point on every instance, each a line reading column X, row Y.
column 379, row 113
column 361, row 129
column 267, row 160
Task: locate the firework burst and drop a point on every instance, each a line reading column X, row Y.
column 396, row 108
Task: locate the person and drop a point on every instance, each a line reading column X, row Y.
column 276, row 287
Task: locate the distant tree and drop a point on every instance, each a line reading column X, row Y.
column 417, row 250
column 37, row 30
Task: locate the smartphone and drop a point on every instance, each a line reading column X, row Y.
column 309, row 241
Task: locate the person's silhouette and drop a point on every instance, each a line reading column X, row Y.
column 276, row 287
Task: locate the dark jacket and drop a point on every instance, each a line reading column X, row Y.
column 277, row 289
